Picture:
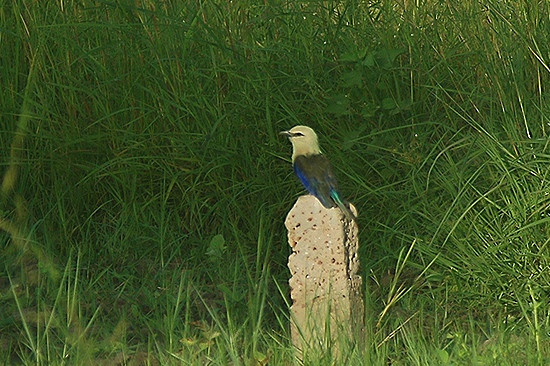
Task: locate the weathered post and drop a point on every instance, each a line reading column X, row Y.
column 326, row 289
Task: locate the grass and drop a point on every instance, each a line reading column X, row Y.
column 144, row 183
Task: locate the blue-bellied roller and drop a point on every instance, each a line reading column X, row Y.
column 314, row 170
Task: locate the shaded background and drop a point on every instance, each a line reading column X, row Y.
column 149, row 173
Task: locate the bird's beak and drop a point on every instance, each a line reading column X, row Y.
column 285, row 133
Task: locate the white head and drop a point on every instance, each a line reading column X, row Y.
column 304, row 141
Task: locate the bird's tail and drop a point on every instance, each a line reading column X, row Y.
column 344, row 206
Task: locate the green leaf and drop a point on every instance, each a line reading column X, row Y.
column 338, row 104
column 368, row 110
column 386, row 57
column 352, row 78
column 216, row 248
column 443, row 356
column 350, row 56
column 369, row 61
column 388, row 104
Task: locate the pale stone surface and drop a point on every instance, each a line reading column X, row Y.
column 325, row 283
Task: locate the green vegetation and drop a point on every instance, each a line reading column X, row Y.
column 144, row 184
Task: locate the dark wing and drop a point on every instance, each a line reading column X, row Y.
column 315, row 173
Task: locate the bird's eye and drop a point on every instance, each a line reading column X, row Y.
column 298, row 134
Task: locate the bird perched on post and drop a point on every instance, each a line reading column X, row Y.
column 314, row 170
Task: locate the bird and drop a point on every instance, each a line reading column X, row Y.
column 314, row 169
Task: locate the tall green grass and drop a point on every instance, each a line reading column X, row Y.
column 144, row 183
